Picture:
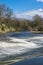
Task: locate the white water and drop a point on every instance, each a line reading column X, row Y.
column 16, row 48
column 19, row 46
column 37, row 39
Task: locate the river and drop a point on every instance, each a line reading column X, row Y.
column 20, row 46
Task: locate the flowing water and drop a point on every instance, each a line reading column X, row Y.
column 20, row 46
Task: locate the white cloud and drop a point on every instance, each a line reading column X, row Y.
column 30, row 14
column 40, row 0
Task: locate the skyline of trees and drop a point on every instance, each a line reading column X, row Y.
column 7, row 21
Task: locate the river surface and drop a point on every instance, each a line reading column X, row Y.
column 20, row 46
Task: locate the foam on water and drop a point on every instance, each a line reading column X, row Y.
column 24, row 43
column 37, row 37
column 18, row 46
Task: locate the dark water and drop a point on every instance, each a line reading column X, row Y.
column 25, row 34
column 33, row 61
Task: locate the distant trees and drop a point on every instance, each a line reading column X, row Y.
column 24, row 25
column 12, row 23
column 37, row 23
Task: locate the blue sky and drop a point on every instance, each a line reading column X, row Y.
column 23, row 6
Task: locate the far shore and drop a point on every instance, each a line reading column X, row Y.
column 37, row 32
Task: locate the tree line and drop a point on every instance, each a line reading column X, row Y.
column 8, row 22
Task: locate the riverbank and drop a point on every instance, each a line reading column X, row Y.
column 37, row 32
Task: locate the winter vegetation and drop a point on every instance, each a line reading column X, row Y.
column 9, row 22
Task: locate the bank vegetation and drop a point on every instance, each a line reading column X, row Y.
column 9, row 23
